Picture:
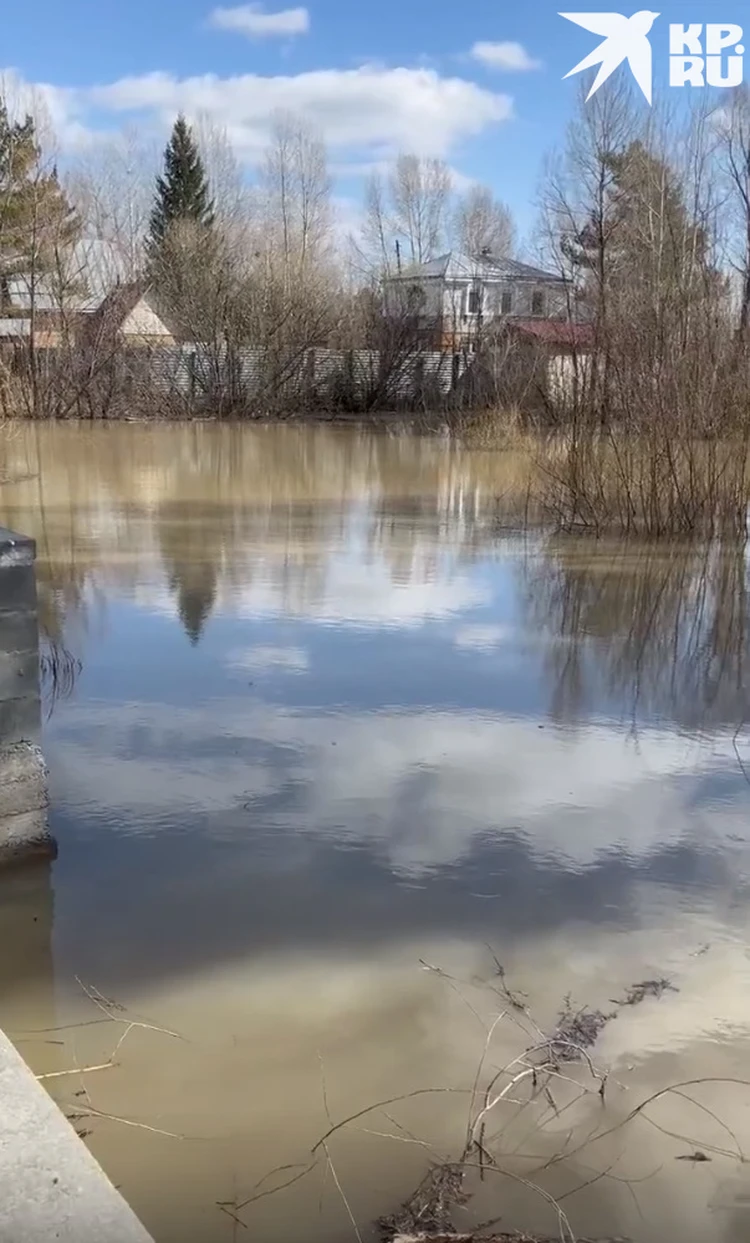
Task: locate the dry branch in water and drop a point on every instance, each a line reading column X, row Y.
column 114, row 1013
column 564, row 1056
column 513, row 1237
column 647, row 988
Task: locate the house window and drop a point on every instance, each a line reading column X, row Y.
column 474, row 302
column 506, row 302
column 537, row 302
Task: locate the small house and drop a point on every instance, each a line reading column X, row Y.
column 127, row 317
column 456, row 297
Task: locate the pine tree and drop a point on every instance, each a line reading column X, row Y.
column 36, row 220
column 642, row 232
column 182, row 193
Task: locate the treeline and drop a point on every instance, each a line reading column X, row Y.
column 232, row 269
column 645, row 214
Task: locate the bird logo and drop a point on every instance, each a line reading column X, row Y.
column 625, row 38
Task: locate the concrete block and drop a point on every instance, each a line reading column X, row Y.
column 20, row 762
column 50, row 1185
column 20, row 719
column 21, row 796
column 22, row 838
column 19, row 674
column 15, row 549
column 19, row 631
column 17, row 589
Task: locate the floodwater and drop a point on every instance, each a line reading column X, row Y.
column 331, row 736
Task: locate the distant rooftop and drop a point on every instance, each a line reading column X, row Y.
column 93, row 265
column 577, row 335
column 15, row 328
column 457, row 266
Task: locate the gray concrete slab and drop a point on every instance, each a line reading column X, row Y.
column 21, row 763
column 18, row 630
column 24, row 832
column 19, row 673
column 15, row 549
column 17, row 590
column 24, row 838
column 20, row 719
column 51, row 1188
column 18, row 797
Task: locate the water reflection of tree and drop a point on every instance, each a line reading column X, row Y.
column 224, row 507
column 59, row 671
column 663, row 631
column 191, row 549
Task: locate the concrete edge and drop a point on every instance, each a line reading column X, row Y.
column 24, row 827
column 16, row 549
column 26, row 840
column 51, row 1187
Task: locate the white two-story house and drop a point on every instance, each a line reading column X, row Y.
column 456, row 298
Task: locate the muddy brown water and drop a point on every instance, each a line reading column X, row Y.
column 337, row 717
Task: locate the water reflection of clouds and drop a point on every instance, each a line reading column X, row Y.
column 479, row 638
column 264, row 658
column 418, row 788
column 349, row 592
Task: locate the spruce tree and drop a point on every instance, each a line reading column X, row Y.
column 182, row 192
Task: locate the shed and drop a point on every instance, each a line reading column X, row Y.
column 533, row 364
column 127, row 317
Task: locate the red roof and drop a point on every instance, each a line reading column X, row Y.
column 556, row 332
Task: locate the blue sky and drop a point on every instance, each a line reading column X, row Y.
column 375, row 77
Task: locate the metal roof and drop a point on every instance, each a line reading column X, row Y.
column 576, row 335
column 456, row 266
column 93, row 265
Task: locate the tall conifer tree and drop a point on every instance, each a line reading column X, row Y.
column 182, row 192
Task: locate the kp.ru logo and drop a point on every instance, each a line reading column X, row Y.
column 695, row 58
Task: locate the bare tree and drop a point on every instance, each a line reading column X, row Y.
column 112, row 189
column 296, row 193
column 656, row 433
column 406, row 217
column 375, row 253
column 232, row 199
column 420, row 195
column 483, row 223
column 734, row 137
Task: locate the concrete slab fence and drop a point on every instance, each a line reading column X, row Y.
column 24, row 831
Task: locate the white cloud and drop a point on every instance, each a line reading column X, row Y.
column 54, row 108
column 512, row 57
column 366, row 114
column 355, row 591
column 378, row 110
column 252, row 21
